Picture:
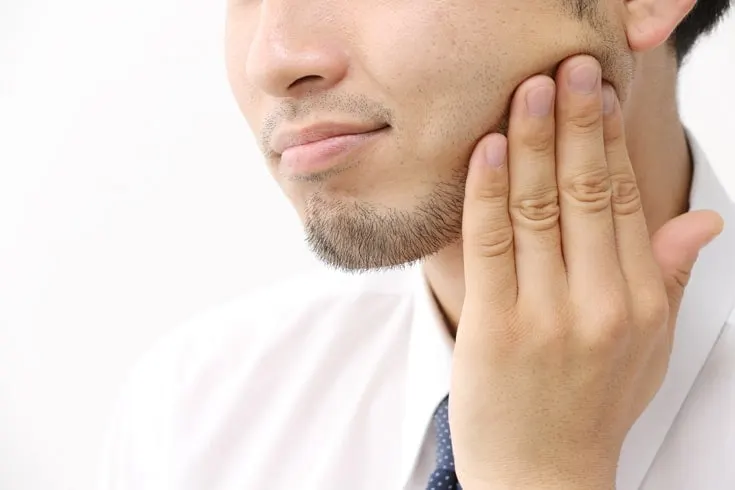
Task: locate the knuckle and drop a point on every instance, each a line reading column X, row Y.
column 585, row 120
column 591, row 189
column 494, row 241
column 626, row 197
column 610, row 326
column 612, row 314
column 493, row 193
column 539, row 139
column 655, row 314
column 539, row 211
column 610, row 338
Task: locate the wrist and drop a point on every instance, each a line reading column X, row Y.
column 589, row 478
column 542, row 485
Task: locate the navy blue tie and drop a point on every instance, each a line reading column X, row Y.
column 443, row 477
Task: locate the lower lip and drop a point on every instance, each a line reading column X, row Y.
column 321, row 155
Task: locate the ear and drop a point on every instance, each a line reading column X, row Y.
column 650, row 23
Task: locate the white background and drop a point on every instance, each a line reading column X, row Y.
column 132, row 197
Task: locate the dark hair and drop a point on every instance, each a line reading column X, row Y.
column 701, row 20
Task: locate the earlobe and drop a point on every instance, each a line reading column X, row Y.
column 650, row 23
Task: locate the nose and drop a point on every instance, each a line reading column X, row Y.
column 294, row 50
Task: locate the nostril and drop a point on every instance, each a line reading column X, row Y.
column 306, row 79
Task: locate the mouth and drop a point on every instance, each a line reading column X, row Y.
column 319, row 156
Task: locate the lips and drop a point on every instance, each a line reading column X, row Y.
column 289, row 138
column 312, row 159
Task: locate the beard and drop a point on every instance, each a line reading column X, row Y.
column 361, row 236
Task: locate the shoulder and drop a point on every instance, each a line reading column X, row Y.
column 303, row 310
column 261, row 319
column 239, row 345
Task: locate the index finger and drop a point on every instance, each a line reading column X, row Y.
column 487, row 233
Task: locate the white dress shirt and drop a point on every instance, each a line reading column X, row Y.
column 329, row 382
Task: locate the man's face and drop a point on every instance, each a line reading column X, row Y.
column 438, row 73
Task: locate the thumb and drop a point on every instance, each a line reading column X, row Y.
column 676, row 246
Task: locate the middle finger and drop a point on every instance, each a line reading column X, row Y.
column 588, row 233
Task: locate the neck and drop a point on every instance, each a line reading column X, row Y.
column 659, row 153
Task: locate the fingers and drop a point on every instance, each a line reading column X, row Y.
column 639, row 269
column 559, row 213
column 487, row 234
column 534, row 205
column 588, row 244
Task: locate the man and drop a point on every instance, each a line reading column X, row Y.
column 532, row 347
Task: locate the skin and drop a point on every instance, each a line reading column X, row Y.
column 402, row 200
column 568, row 319
column 587, row 289
column 658, row 151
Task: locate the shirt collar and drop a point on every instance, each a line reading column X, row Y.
column 712, row 283
column 429, row 370
column 708, row 300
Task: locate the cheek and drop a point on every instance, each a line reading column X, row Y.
column 455, row 46
column 463, row 62
column 238, row 37
column 449, row 84
column 452, row 85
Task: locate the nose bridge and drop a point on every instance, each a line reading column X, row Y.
column 294, row 40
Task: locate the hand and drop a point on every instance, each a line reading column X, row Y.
column 570, row 307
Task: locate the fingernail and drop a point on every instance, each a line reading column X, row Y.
column 539, row 100
column 583, row 78
column 608, row 99
column 495, row 150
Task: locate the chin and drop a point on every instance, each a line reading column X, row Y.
column 360, row 226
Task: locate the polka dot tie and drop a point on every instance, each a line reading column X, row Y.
column 443, row 477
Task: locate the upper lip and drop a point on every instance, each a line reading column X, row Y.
column 288, row 137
